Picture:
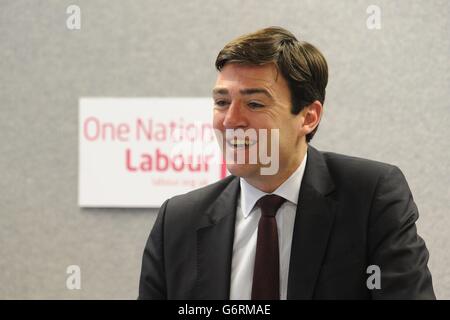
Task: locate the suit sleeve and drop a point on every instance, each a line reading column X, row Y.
column 152, row 284
column 394, row 244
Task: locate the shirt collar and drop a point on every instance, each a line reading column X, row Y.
column 289, row 189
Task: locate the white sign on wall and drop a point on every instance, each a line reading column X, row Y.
column 137, row 152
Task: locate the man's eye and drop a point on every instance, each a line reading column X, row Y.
column 221, row 103
column 255, row 105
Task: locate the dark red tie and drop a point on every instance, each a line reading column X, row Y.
column 266, row 275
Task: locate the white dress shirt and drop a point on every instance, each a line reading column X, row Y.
column 246, row 233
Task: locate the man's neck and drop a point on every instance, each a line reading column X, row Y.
column 269, row 183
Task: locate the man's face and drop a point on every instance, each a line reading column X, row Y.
column 256, row 97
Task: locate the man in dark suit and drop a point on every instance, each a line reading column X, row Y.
column 322, row 226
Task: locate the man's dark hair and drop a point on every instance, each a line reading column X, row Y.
column 301, row 64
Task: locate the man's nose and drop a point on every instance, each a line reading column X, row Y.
column 235, row 116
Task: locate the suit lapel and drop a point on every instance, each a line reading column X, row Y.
column 215, row 238
column 313, row 223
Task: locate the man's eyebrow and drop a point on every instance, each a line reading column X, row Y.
column 249, row 91
column 220, row 91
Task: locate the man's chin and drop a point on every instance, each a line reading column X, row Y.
column 244, row 170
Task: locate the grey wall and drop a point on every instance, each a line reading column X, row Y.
column 388, row 99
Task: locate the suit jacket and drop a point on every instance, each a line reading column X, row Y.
column 351, row 213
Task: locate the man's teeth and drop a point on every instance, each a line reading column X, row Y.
column 240, row 143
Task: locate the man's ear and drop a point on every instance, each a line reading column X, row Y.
column 311, row 116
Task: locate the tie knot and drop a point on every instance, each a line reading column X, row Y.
column 270, row 204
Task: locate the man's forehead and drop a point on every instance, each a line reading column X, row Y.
column 265, row 75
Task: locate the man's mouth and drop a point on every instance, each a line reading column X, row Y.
column 240, row 143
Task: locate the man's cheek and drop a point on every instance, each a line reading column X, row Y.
column 220, row 137
column 218, row 122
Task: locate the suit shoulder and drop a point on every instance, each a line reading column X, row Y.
column 352, row 165
column 347, row 162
